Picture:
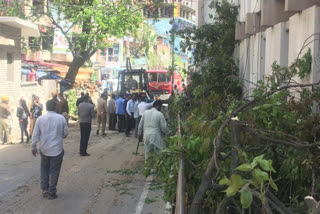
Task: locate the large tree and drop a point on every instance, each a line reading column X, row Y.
column 92, row 23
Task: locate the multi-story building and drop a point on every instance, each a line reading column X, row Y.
column 184, row 15
column 271, row 31
column 205, row 14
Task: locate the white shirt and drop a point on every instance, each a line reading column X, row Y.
column 130, row 106
column 136, row 109
column 143, row 106
column 50, row 129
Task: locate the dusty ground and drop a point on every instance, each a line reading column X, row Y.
column 109, row 181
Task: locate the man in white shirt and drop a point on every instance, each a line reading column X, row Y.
column 153, row 126
column 143, row 106
column 50, row 129
column 130, row 112
column 136, row 116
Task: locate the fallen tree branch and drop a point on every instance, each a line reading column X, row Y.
column 222, row 205
column 205, row 182
column 281, row 142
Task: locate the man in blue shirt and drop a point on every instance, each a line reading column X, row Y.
column 120, row 111
column 130, row 114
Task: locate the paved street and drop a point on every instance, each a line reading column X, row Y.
column 109, row 181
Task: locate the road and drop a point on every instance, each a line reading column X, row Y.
column 110, row 181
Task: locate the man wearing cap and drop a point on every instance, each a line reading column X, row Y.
column 4, row 123
column 153, row 125
column 50, row 129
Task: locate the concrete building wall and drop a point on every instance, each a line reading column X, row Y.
column 203, row 11
column 304, row 30
column 280, row 40
column 277, row 44
column 14, row 88
column 298, row 5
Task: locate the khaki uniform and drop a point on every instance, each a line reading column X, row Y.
column 101, row 114
column 4, row 123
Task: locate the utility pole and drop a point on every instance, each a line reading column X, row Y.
column 173, row 36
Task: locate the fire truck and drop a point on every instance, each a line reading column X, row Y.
column 159, row 83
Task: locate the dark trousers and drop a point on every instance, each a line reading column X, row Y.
column 121, row 122
column 23, row 123
column 50, row 170
column 137, row 126
column 112, row 121
column 85, row 129
column 130, row 123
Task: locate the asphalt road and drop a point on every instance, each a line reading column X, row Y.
column 110, row 181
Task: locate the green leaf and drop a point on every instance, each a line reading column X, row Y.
column 237, row 180
column 244, row 167
column 246, row 198
column 273, row 185
column 232, row 190
column 257, row 160
column 260, row 175
column 265, row 165
column 236, row 184
column 225, row 181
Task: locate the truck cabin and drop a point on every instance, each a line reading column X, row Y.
column 159, row 82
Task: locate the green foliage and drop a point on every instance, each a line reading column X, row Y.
column 96, row 21
column 285, row 115
column 72, row 100
column 257, row 174
column 12, row 8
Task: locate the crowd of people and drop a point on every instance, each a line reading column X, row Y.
column 130, row 112
column 27, row 116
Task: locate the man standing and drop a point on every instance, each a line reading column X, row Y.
column 4, row 121
column 112, row 113
column 32, row 74
column 85, row 112
column 102, row 113
column 120, row 111
column 36, row 111
column 63, row 106
column 130, row 114
column 143, row 106
column 153, row 125
column 136, row 116
column 175, row 90
column 80, row 99
column 50, row 129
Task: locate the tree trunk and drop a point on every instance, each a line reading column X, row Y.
column 76, row 63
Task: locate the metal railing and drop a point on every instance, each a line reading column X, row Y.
column 180, row 192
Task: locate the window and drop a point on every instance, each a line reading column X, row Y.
column 34, row 43
column 10, row 68
column 47, row 39
column 113, row 53
column 38, row 7
column 162, row 77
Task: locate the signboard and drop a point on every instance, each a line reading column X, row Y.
column 60, row 43
column 140, row 61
